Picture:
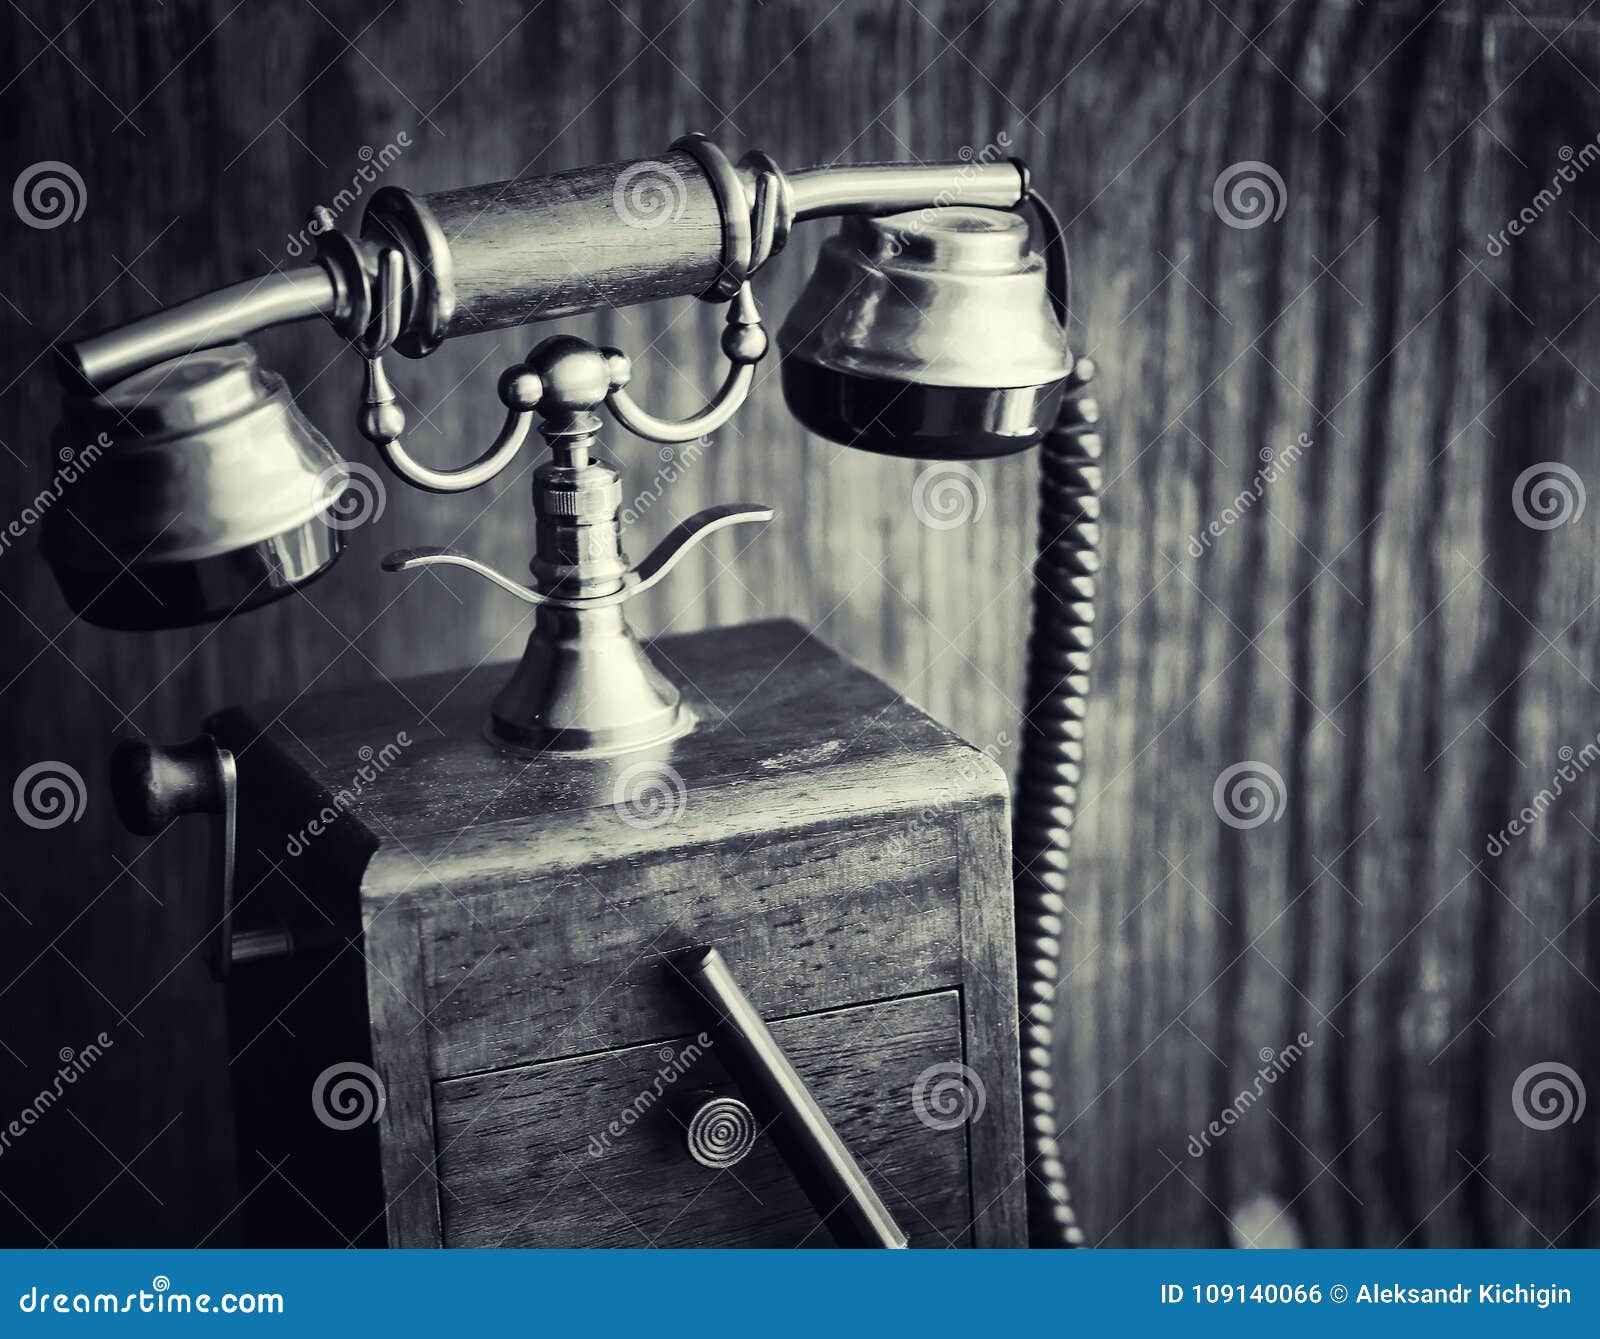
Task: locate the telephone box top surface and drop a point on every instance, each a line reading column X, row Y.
column 383, row 783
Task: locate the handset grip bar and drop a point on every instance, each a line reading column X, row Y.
column 219, row 317
column 456, row 233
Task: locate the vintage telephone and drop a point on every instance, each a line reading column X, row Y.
column 929, row 329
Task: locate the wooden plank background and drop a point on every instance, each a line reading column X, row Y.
column 1381, row 629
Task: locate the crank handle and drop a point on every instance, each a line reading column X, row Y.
column 153, row 784
column 782, row 1105
column 635, row 581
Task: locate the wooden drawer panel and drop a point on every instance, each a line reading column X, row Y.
column 532, row 1157
column 808, row 922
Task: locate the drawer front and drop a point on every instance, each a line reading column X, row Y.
column 807, row 923
column 592, row 1151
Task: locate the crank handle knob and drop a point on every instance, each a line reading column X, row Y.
column 152, row 784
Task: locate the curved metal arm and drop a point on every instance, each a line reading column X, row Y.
column 1058, row 264
column 212, row 318
column 719, row 409
column 635, row 581
column 513, row 432
column 890, row 188
column 744, row 341
column 683, row 537
column 406, row 560
column 382, row 420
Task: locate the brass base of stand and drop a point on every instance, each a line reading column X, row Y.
column 585, row 686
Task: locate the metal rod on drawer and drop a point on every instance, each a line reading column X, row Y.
column 259, row 945
column 835, row 1185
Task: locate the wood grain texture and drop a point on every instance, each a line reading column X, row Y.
column 1381, row 629
column 397, row 1013
column 770, row 699
column 531, row 250
column 587, row 1176
column 991, row 1035
column 821, row 920
column 820, row 831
